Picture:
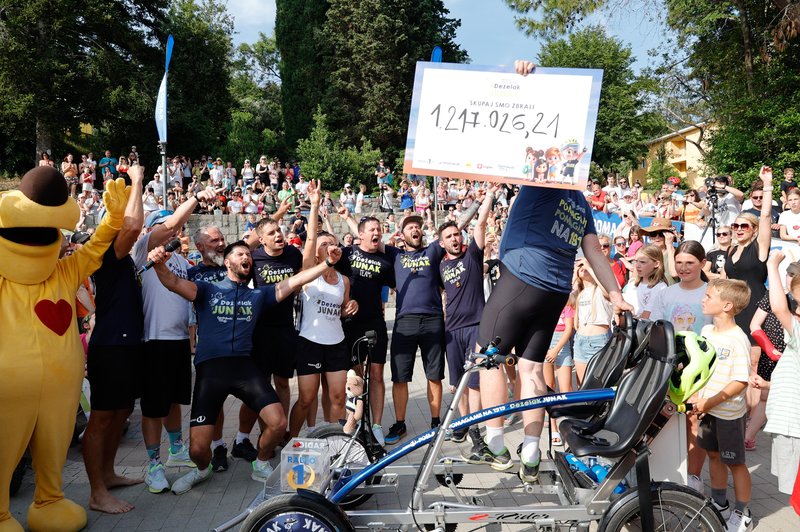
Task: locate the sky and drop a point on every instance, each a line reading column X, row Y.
column 487, row 31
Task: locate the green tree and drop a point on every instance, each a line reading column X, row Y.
column 326, row 158
column 298, row 24
column 373, row 47
column 623, row 124
column 660, row 169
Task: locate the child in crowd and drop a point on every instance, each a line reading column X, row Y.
column 783, row 419
column 681, row 304
column 558, row 360
column 721, row 402
column 592, row 318
column 647, row 282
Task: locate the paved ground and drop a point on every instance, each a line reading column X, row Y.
column 227, row 493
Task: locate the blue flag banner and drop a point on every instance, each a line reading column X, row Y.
column 607, row 223
column 436, row 55
column 161, row 100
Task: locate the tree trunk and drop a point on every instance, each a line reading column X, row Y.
column 44, row 141
column 747, row 44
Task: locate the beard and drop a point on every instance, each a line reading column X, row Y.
column 214, row 257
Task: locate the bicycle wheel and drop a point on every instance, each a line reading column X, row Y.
column 357, row 457
column 286, row 511
column 673, row 510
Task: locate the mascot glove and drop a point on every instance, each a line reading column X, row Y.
column 115, row 199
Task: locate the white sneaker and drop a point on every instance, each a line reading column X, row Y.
column 696, row 483
column 181, row 458
column 261, row 472
column 377, row 431
column 738, row 522
column 190, row 479
column 156, row 479
column 725, row 511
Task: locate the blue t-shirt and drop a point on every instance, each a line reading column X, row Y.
column 406, row 201
column 417, row 279
column 463, row 284
column 119, row 315
column 544, row 230
column 111, row 162
column 209, row 274
column 226, row 317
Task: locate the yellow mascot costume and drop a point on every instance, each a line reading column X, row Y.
column 41, row 357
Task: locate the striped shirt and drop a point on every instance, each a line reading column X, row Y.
column 783, row 416
column 733, row 364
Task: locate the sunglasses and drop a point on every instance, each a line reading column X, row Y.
column 736, row 227
column 659, row 233
column 620, row 244
column 605, row 246
column 723, row 234
column 756, row 197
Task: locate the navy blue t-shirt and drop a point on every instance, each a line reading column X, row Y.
column 227, row 313
column 209, row 274
column 417, row 280
column 368, row 273
column 271, row 270
column 542, row 236
column 119, row 314
column 463, row 284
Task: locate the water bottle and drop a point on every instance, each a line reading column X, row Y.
column 577, row 464
column 601, row 472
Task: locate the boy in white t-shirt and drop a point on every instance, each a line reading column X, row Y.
column 721, row 402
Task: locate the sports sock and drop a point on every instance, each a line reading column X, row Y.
column 217, row 443
column 241, row 436
column 494, row 439
column 154, row 453
column 720, row 496
column 261, row 463
column 742, row 507
column 530, row 450
column 175, row 441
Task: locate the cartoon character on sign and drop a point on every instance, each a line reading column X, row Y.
column 572, row 156
column 553, row 157
column 540, row 168
column 530, row 157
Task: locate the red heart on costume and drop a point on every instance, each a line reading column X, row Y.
column 56, row 316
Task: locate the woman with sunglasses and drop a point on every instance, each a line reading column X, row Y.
column 747, row 259
column 692, row 210
column 717, row 255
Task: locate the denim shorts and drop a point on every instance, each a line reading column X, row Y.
column 564, row 357
column 588, row 346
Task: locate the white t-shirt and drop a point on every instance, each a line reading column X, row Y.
column 235, row 207
column 641, row 297
column 301, row 187
column 733, row 364
column 250, row 202
column 322, row 311
column 166, row 314
column 359, row 202
column 792, row 223
column 784, row 393
column 682, row 307
column 593, row 308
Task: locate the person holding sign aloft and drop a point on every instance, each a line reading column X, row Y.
column 545, row 228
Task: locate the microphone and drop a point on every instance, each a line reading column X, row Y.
column 171, row 246
column 371, row 337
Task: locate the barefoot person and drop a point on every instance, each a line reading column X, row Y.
column 227, row 313
column 114, row 359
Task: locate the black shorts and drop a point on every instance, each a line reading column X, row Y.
column 169, row 377
column 418, row 330
column 354, row 330
column 274, row 350
column 460, row 342
column 218, row 378
column 115, row 374
column 522, row 316
column 724, row 436
column 313, row 358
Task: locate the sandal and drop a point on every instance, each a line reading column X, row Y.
column 749, row 445
column 556, row 438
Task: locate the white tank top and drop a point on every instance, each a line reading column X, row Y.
column 322, row 311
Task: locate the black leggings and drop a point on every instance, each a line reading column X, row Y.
column 522, row 316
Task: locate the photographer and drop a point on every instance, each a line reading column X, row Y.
column 387, row 195
column 724, row 201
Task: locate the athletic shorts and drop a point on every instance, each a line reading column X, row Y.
column 423, row 331
column 564, row 357
column 522, row 316
column 218, row 378
column 274, row 350
column 354, row 330
column 460, row 342
column 115, row 374
column 785, row 461
column 168, row 380
column 725, row 436
column 313, row 358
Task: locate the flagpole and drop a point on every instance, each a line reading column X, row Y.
column 161, row 121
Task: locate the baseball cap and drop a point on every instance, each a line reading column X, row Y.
column 347, row 185
column 412, row 218
column 157, row 217
column 658, row 224
column 627, row 192
column 79, row 237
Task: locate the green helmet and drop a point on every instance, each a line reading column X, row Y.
column 695, row 361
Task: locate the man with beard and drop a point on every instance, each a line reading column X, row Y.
column 227, row 314
column 369, row 270
column 462, row 275
column 210, row 242
column 275, row 337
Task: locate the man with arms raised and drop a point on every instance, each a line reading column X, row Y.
column 227, row 314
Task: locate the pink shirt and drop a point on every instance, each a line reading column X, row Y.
column 567, row 314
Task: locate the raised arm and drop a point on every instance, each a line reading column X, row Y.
column 777, row 299
column 344, row 212
column 310, row 249
column 134, row 214
column 765, row 216
column 288, row 286
column 485, row 198
column 163, row 232
column 184, row 288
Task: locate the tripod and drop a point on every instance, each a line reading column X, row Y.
column 712, row 222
